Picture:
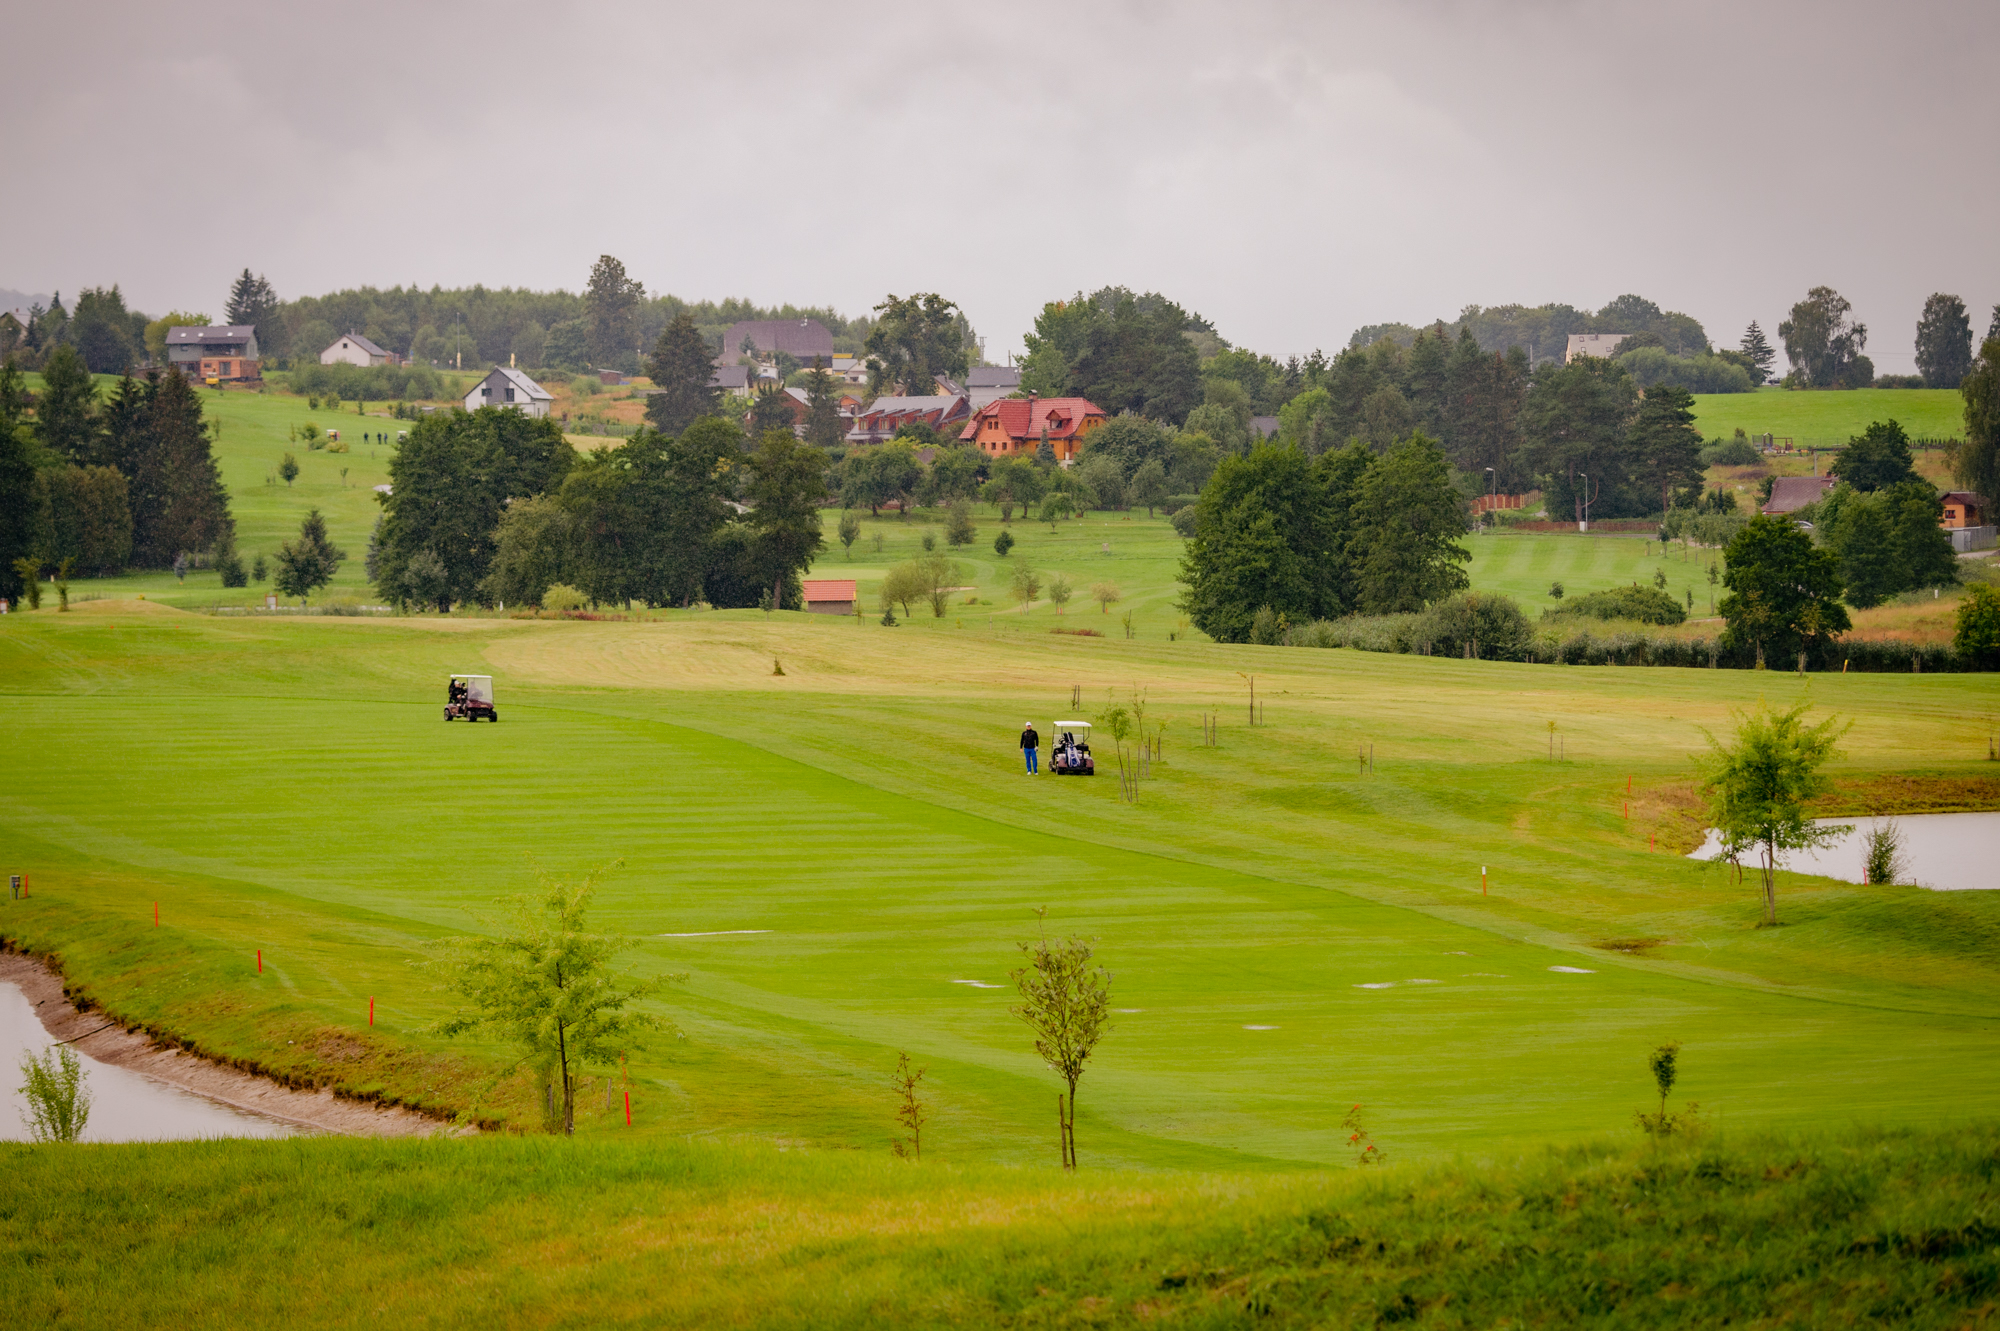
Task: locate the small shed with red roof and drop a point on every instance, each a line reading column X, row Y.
column 1015, row 426
column 829, row 596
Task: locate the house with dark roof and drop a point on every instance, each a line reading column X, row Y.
column 504, row 386
column 731, row 378
column 354, row 349
column 1789, row 494
column 801, row 339
column 224, row 352
column 986, row 383
column 880, row 419
column 1016, row 426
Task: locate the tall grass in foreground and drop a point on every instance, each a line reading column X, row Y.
column 1859, row 1228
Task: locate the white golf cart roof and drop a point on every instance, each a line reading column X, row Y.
column 1071, row 725
column 463, row 675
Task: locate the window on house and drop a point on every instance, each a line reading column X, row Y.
column 510, row 395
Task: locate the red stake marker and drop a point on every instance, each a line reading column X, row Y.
column 156, row 914
column 1482, row 880
column 371, row 1009
column 260, row 961
column 628, row 1108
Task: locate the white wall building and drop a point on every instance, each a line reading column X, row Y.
column 354, row 349
column 505, row 387
column 1592, row 344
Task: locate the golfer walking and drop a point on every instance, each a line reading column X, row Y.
column 1030, row 741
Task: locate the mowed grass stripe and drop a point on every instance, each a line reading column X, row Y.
column 877, row 903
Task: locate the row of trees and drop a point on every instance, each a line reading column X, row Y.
column 1349, row 531
column 495, row 507
column 96, row 486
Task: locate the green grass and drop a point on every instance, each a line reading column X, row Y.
column 1858, row 1228
column 1831, row 418
column 288, row 785
column 1524, row 564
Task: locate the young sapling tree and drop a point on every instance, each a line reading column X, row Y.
column 58, row 1099
column 1758, row 788
column 911, row 1112
column 548, row 986
column 1066, row 1002
column 850, row 532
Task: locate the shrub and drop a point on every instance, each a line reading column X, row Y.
column 1184, row 520
column 1648, row 605
column 561, row 596
column 1736, row 452
column 1488, row 625
column 1977, row 638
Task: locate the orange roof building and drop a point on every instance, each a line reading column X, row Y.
column 1014, row 426
column 829, row 596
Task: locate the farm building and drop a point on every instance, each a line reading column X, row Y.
column 1969, row 519
column 354, row 349
column 731, row 378
column 1015, row 426
column 222, row 352
column 505, row 387
column 829, row 596
column 885, row 415
column 1592, row 344
column 1789, row 494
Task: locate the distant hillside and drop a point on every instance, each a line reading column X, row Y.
column 11, row 299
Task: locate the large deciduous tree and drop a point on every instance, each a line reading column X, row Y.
column 611, row 301
column 787, row 485
column 1407, row 545
column 680, row 368
column 1783, row 593
column 1876, row 460
column 1976, row 461
column 1944, row 341
column 449, row 482
column 916, row 340
column 1823, row 344
column 1138, row 359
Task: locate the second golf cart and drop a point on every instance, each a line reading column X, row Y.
column 1071, row 753
column 469, row 698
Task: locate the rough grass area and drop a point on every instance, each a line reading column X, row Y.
column 1858, row 1229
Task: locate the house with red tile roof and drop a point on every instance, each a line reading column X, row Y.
column 1015, row 426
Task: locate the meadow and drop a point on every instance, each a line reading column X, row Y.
column 1829, row 419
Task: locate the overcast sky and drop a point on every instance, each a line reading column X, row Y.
column 1291, row 171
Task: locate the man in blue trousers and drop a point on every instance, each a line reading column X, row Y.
column 1030, row 741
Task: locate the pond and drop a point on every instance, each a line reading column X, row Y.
column 124, row 1106
column 1947, row 852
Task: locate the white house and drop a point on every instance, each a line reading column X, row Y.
column 506, row 387
column 1592, row 344
column 354, row 349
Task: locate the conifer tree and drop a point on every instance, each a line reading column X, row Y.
column 65, row 415
column 612, row 299
column 253, row 301
column 179, row 503
column 680, row 368
column 309, row 563
column 1760, row 351
column 1665, row 442
column 17, row 482
column 822, row 410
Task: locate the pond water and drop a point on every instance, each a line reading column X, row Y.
column 1948, row 852
column 124, row 1106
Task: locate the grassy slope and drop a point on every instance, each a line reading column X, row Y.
column 287, row 785
column 1864, row 1229
column 1831, row 417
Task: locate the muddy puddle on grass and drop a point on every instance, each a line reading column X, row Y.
column 124, row 1106
column 1947, row 852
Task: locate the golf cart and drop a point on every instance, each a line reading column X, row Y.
column 469, row 698
column 1071, row 749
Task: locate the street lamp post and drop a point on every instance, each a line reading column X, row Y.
column 1584, row 525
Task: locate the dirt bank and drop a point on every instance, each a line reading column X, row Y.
column 88, row 1033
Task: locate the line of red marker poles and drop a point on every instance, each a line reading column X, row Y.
column 371, row 997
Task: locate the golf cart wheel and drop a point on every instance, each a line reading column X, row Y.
column 447, row 713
